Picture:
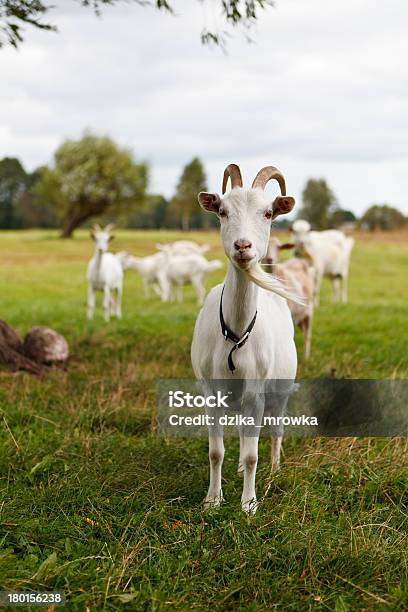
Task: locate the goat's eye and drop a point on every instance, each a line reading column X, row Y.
column 222, row 212
column 268, row 214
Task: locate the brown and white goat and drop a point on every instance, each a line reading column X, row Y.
column 296, row 273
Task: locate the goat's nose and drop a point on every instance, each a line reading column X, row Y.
column 242, row 245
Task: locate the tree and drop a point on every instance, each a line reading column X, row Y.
column 15, row 14
column 184, row 202
column 33, row 211
column 340, row 216
column 13, row 183
column 90, row 177
column 382, row 217
column 318, row 203
column 149, row 216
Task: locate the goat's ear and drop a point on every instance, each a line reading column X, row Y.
column 209, row 201
column 111, row 238
column 92, row 235
column 287, row 245
column 282, row 205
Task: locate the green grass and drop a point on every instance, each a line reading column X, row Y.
column 95, row 504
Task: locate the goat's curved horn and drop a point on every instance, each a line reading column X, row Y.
column 268, row 173
column 234, row 173
column 96, row 227
column 109, row 227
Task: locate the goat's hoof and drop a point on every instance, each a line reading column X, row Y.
column 213, row 502
column 250, row 507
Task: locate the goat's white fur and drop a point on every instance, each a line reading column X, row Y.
column 188, row 269
column 270, row 351
column 150, row 268
column 329, row 252
column 104, row 274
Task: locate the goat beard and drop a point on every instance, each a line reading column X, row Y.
column 273, row 284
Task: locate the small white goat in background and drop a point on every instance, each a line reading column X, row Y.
column 246, row 320
column 151, row 268
column 329, row 252
column 104, row 274
column 299, row 274
column 188, row 270
column 172, row 267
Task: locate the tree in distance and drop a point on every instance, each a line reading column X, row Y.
column 91, row 177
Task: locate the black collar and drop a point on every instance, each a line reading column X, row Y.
column 229, row 334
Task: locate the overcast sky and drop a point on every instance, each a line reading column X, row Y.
column 322, row 92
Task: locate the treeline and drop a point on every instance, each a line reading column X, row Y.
column 321, row 208
column 94, row 179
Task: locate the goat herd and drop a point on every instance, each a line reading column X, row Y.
column 173, row 266
column 244, row 329
column 317, row 254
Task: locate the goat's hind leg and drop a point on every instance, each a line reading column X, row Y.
column 276, row 402
column 306, row 328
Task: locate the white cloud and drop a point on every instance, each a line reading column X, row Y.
column 323, row 92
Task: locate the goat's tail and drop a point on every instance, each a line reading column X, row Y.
column 273, row 284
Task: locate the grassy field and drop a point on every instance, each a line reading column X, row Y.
column 95, row 504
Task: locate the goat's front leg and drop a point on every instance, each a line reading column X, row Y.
column 216, row 456
column 91, row 302
column 200, row 291
column 106, row 302
column 164, row 284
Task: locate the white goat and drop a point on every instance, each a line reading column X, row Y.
column 188, row 270
column 298, row 273
column 105, row 274
column 329, row 252
column 183, row 247
column 249, row 308
column 150, row 268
